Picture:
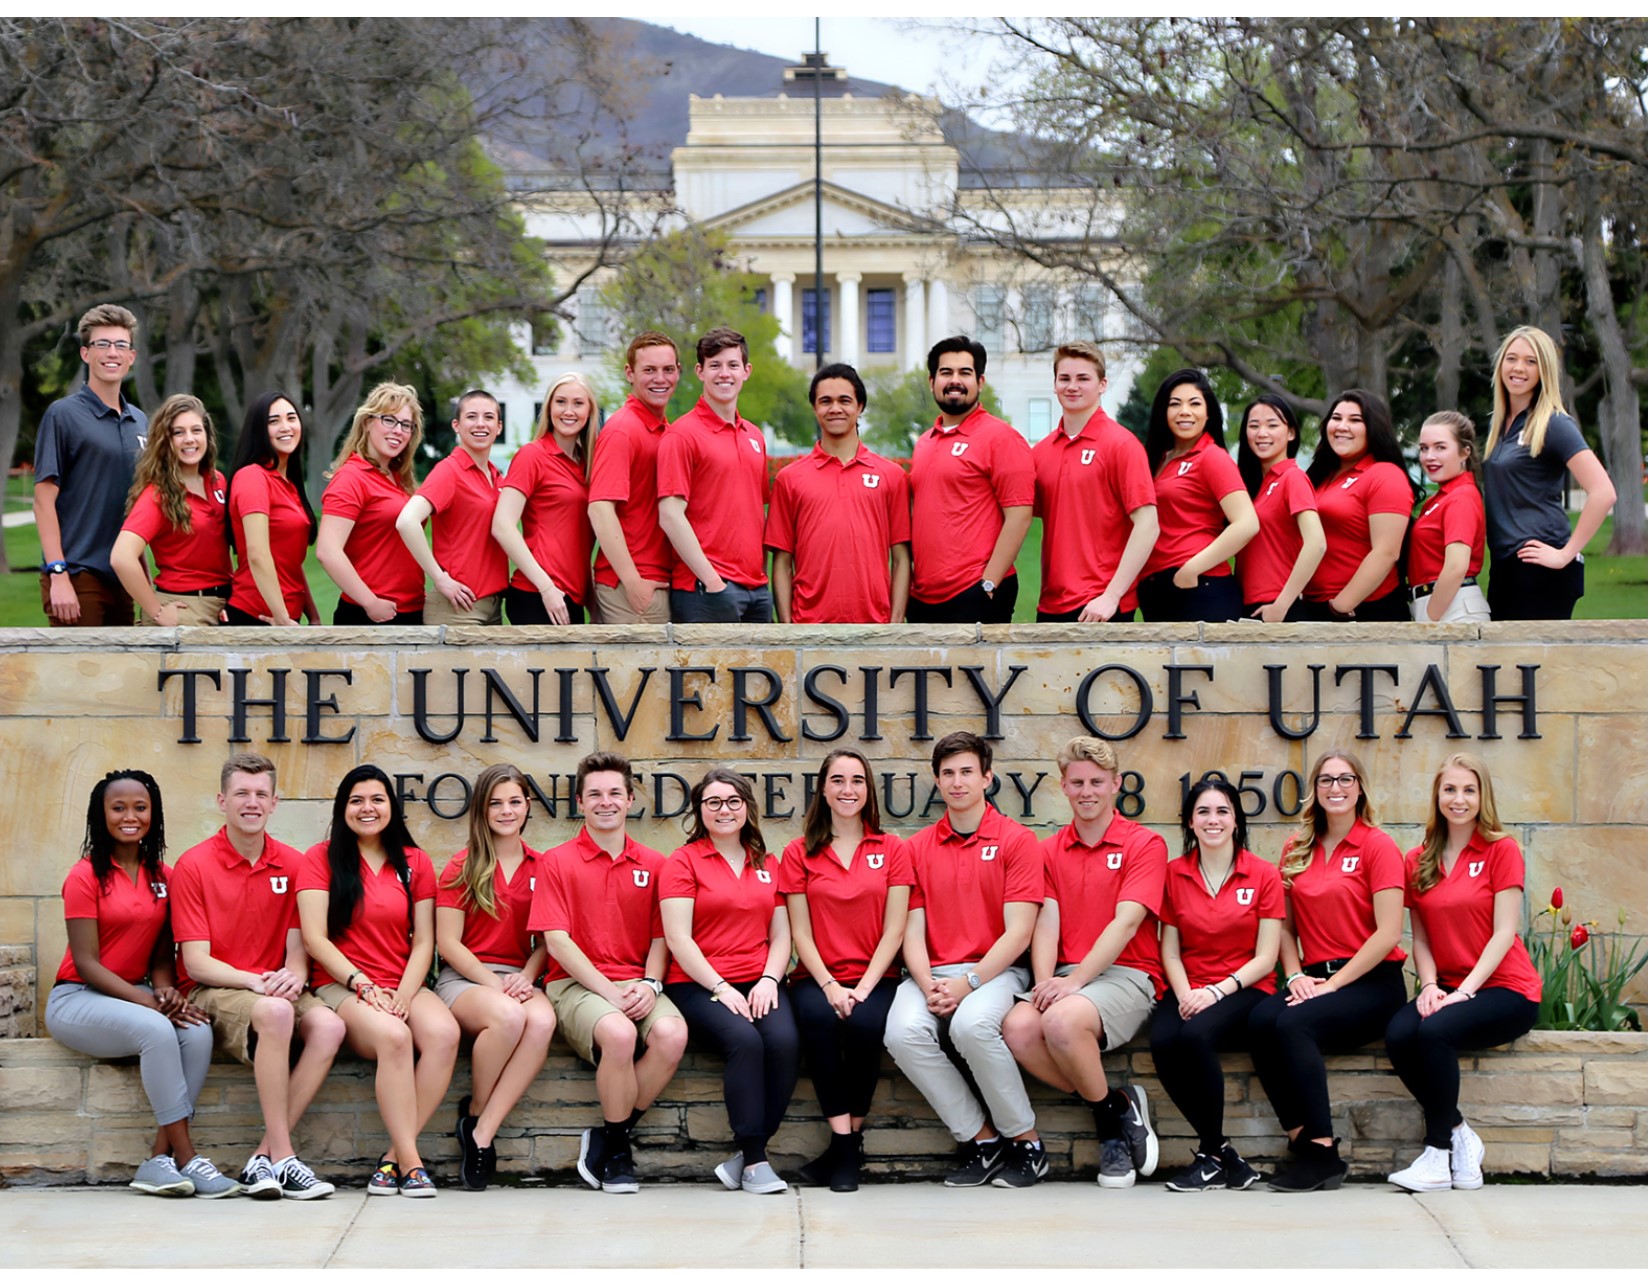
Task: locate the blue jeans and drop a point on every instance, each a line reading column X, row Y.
column 735, row 604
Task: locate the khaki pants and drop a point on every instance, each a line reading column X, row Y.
column 612, row 607
column 191, row 609
column 487, row 610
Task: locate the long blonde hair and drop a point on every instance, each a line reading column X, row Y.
column 1429, row 867
column 1547, row 399
column 386, row 396
column 158, row 466
column 1297, row 851
column 475, row 878
column 584, row 447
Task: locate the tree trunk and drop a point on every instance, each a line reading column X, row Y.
column 183, row 303
column 1620, row 426
column 11, row 377
column 1452, row 336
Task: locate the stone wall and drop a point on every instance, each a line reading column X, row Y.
column 16, row 991
column 1553, row 1105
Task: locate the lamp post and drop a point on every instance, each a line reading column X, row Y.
column 819, row 208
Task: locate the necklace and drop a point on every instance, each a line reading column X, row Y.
column 1214, row 886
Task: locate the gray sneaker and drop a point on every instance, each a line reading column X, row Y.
column 1116, row 1164
column 209, row 1183
column 158, row 1175
column 730, row 1171
column 760, row 1179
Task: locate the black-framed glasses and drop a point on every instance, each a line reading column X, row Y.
column 395, row 424
column 1348, row 780
column 103, row 346
column 722, row 803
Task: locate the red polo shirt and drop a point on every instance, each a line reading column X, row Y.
column 185, row 560
column 368, row 497
column 1189, row 517
column 1265, row 562
column 1345, row 504
column 1087, row 487
column 625, row 471
column 961, row 481
column 129, row 916
column 1217, row 934
column 731, row 913
column 608, row 906
column 244, row 910
column 377, row 941
column 1453, row 515
column 846, row 906
column 463, row 496
column 1088, row 882
column 555, row 522
column 721, row 470
column 256, row 490
column 1332, row 900
column 963, row 882
column 1458, row 914
column 839, row 521
column 504, row 939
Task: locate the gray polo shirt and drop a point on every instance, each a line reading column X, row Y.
column 90, row 451
column 1524, row 494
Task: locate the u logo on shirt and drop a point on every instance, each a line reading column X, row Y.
column 1349, row 863
column 871, row 480
column 957, row 449
column 1272, row 486
column 987, row 853
column 1114, row 860
column 1473, row 869
column 159, row 888
column 1185, row 468
column 277, row 885
column 532, row 884
column 755, row 446
column 1245, row 897
column 764, row 876
column 1087, row 456
column 874, row 861
column 1349, row 482
column 640, row 877
column 219, row 495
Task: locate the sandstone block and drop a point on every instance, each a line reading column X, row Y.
column 1626, row 1163
column 1610, row 1082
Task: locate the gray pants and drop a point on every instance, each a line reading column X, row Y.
column 172, row 1060
column 976, row 1030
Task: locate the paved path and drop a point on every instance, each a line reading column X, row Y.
column 909, row 1225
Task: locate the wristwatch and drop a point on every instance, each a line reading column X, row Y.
column 656, row 985
column 990, row 586
column 973, row 981
column 57, row 568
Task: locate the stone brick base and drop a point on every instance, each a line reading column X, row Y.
column 16, row 991
column 1554, row 1105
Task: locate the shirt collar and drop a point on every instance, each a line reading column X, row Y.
column 590, row 850
column 655, row 421
column 124, row 412
column 977, row 417
column 822, row 458
column 706, row 415
column 229, row 856
column 987, row 828
column 1096, row 424
column 1464, row 477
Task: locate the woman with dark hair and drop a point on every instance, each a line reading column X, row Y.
column 1364, row 498
column 1222, row 920
column 490, row 964
column 847, row 887
column 116, row 992
column 1276, row 565
column 1446, row 541
column 729, row 945
column 366, row 904
column 1343, row 884
column 271, row 523
column 1204, row 516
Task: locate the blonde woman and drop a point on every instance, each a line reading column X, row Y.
column 490, row 964
column 547, row 492
column 1536, row 571
column 372, row 479
column 1446, row 541
column 176, row 512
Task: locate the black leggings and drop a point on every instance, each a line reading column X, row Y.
column 1288, row 1042
column 1213, row 598
column 1425, row 1051
column 843, row 1055
column 525, row 606
column 351, row 613
column 1522, row 590
column 760, row 1056
column 1186, row 1053
column 1391, row 608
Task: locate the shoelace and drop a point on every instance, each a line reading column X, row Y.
column 300, row 1173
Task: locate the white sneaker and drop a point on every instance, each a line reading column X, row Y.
column 1430, row 1172
column 1466, row 1158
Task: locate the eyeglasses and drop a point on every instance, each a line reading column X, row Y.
column 1348, row 780
column 125, row 347
column 395, row 424
column 722, row 803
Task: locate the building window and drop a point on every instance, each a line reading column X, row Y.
column 1089, row 303
column 1039, row 418
column 988, row 318
column 1037, row 319
column 591, row 325
column 759, row 298
column 546, row 334
column 811, row 328
column 879, row 321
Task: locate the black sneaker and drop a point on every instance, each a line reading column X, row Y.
column 619, row 1173
column 1204, row 1173
column 592, row 1145
column 1314, row 1167
column 1137, row 1131
column 977, row 1163
column 1024, row 1164
column 1116, row 1164
column 470, row 1172
column 1240, row 1174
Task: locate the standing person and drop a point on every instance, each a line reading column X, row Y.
column 1364, row 498
column 358, row 545
column 490, row 965
column 1204, row 515
column 116, row 992
column 547, row 492
column 1343, row 882
column 839, row 523
column 847, row 887
column 84, row 456
column 730, row 942
column 1094, row 958
column 713, row 484
column 176, row 511
column 978, row 887
column 366, row 904
column 597, row 906
column 1092, row 481
column 1536, row 568
column 1446, row 542
column 1465, row 888
column 235, row 918
column 466, row 567
column 1222, row 924
column 634, row 559
column 1275, row 567
column 972, row 489
column 271, row 523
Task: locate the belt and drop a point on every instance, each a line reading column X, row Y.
column 215, row 591
column 1323, row 969
column 1420, row 591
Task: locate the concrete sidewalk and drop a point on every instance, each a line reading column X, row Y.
column 906, row 1225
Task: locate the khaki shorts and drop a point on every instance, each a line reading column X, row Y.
column 578, row 1010
column 487, row 610
column 230, row 1009
column 612, row 607
column 191, row 610
column 450, row 984
column 333, row 995
column 1123, row 998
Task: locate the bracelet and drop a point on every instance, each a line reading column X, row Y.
column 828, row 983
column 1466, row 993
column 1293, row 977
column 1237, row 983
column 1219, row 995
column 349, row 983
column 762, row 976
column 715, row 991
column 1433, row 983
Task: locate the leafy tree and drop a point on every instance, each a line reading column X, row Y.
column 900, row 405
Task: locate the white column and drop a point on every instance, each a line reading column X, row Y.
column 939, row 313
column 848, row 317
column 916, row 348
column 785, row 345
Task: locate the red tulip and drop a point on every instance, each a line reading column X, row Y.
column 1578, row 937
column 1558, row 897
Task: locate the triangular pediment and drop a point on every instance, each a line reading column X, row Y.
column 846, row 214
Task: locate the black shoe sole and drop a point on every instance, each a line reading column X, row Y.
column 1328, row 1184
